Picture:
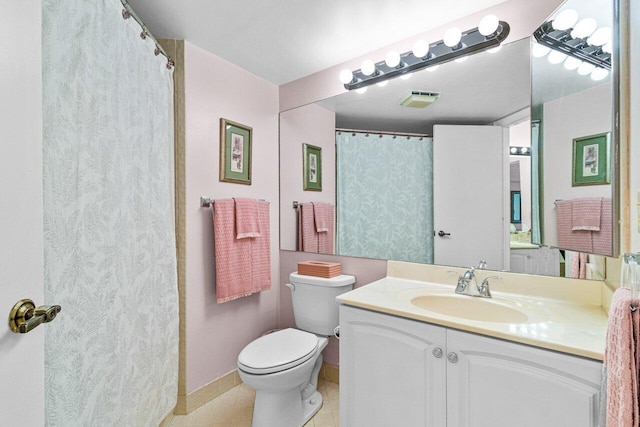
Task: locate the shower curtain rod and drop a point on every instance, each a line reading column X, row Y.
column 127, row 13
column 377, row 132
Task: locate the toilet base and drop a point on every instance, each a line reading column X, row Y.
column 311, row 406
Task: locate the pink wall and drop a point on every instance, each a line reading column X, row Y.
column 313, row 125
column 215, row 88
column 365, row 271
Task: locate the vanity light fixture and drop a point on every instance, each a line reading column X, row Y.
column 520, row 151
column 455, row 44
column 576, row 41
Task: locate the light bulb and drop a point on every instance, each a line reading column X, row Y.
column 361, row 90
column 599, row 74
column 600, row 37
column 433, row 68
column 393, row 59
column 565, row 20
column 420, row 49
column 585, row 68
column 538, row 50
column 452, row 37
column 525, row 150
column 346, row 76
column 406, row 76
column 514, row 150
column 572, row 63
column 368, row 67
column 462, row 59
column 382, row 83
column 556, row 57
column 584, row 28
column 495, row 49
column 608, row 48
column 488, row 25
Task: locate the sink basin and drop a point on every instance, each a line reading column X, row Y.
column 472, row 308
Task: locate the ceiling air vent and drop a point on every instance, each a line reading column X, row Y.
column 418, row 99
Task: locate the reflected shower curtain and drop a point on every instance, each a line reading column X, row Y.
column 384, row 196
column 111, row 356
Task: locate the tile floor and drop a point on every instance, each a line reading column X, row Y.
column 235, row 408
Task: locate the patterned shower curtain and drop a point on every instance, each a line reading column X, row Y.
column 385, row 196
column 110, row 262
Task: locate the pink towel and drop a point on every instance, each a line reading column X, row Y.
column 578, row 240
column 247, row 221
column 321, row 212
column 243, row 266
column 586, row 214
column 307, row 236
column 622, row 359
column 602, row 243
column 326, row 239
column 578, row 265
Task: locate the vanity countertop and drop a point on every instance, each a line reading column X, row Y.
column 577, row 328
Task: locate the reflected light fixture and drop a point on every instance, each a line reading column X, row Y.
column 567, row 42
column 455, row 44
column 519, row 151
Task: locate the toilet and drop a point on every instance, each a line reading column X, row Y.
column 283, row 366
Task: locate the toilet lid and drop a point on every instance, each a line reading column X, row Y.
column 278, row 351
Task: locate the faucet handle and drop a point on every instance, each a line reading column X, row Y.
column 484, row 286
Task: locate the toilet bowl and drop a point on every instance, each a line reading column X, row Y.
column 283, row 369
column 283, row 366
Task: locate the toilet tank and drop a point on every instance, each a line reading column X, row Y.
column 314, row 301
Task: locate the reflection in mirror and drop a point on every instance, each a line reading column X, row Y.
column 573, row 106
column 487, row 90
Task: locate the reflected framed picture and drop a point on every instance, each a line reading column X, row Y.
column 312, row 167
column 235, row 152
column 591, row 160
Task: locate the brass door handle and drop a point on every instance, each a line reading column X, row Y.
column 24, row 315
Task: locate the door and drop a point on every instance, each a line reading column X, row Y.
column 469, row 197
column 21, row 258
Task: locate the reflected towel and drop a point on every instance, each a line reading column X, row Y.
column 243, row 266
column 307, row 236
column 326, row 239
column 586, row 214
column 621, row 359
column 578, row 240
column 321, row 212
column 602, row 240
column 247, row 221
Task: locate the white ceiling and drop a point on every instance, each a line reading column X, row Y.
column 285, row 40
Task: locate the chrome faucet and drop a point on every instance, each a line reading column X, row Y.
column 467, row 284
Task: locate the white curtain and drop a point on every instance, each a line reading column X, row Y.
column 110, row 262
column 385, row 196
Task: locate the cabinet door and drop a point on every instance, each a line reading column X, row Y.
column 389, row 375
column 497, row 383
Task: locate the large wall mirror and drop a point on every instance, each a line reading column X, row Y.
column 459, row 180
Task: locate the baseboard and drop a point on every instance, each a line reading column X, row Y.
column 207, row 393
column 330, row 373
column 191, row 402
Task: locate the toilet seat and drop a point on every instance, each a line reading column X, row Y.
column 278, row 351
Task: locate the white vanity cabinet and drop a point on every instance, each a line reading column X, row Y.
column 401, row 372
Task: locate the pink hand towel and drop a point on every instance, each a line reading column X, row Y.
column 621, row 359
column 321, row 216
column 579, row 240
column 586, row 214
column 247, row 221
column 326, row 239
column 307, row 232
column 261, row 252
column 602, row 243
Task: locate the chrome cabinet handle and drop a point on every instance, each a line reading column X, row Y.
column 437, row 352
column 24, row 316
column 452, row 357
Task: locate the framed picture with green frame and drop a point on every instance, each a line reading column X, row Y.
column 235, row 152
column 591, row 160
